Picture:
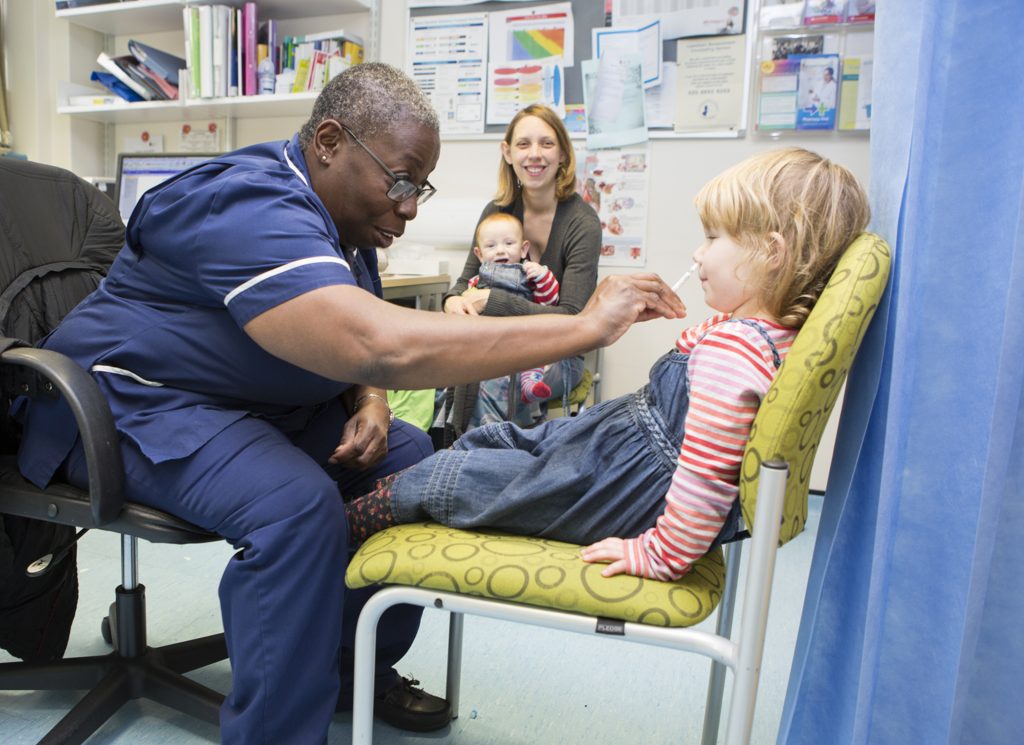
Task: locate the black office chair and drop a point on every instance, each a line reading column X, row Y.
column 58, row 235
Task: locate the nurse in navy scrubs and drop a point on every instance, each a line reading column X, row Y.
column 244, row 348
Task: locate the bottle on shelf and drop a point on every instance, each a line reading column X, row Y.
column 265, row 75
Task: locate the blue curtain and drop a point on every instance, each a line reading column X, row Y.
column 912, row 625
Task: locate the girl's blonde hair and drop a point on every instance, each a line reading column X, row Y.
column 818, row 208
column 509, row 187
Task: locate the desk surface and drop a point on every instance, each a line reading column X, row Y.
column 424, row 290
column 411, row 280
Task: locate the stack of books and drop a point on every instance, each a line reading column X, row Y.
column 146, row 74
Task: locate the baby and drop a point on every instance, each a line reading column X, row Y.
column 502, row 251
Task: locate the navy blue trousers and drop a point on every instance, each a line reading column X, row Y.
column 288, row 619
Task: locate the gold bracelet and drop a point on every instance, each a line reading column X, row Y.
column 359, row 401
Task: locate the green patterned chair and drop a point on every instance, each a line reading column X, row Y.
column 545, row 583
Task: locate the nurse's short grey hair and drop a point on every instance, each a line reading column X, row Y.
column 371, row 99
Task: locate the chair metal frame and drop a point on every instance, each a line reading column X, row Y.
column 742, row 655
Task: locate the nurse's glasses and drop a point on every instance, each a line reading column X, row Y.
column 403, row 188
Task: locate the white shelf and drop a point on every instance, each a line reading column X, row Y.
column 239, row 107
column 250, row 107
column 136, row 16
column 817, row 28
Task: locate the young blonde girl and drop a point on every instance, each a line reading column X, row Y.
column 657, row 470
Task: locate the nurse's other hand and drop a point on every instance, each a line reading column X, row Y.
column 459, row 305
column 364, row 439
column 621, row 300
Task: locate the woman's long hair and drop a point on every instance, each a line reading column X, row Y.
column 509, row 187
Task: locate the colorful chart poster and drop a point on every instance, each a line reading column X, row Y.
column 542, row 33
column 615, row 184
column 512, row 85
column 447, row 61
column 817, row 92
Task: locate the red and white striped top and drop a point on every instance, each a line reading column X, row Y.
column 730, row 370
column 545, row 287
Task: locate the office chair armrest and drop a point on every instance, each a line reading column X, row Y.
column 95, row 425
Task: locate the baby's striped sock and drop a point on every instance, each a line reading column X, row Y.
column 532, row 386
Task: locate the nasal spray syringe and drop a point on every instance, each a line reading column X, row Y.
column 686, row 276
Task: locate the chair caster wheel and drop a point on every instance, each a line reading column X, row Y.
column 105, row 631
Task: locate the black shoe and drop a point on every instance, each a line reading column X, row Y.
column 406, row 707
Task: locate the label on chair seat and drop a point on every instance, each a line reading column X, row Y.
column 612, row 626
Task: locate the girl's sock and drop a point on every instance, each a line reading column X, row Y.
column 533, row 387
column 370, row 513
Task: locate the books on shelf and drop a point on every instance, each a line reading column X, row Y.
column 339, row 34
column 249, row 59
column 113, row 84
column 143, row 81
column 66, row 4
column 162, row 63
column 225, row 45
column 190, row 24
column 206, row 89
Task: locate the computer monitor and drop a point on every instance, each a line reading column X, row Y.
column 138, row 172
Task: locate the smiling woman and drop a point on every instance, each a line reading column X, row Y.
column 242, row 343
column 537, row 185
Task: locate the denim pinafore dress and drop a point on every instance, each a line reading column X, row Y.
column 578, row 479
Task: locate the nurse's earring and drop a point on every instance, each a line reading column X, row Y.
column 323, row 158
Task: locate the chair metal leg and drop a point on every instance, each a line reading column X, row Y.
column 453, row 681
column 764, row 544
column 363, row 674
column 723, row 627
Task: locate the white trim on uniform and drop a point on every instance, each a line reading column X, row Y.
column 126, row 373
column 282, row 269
column 293, row 167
